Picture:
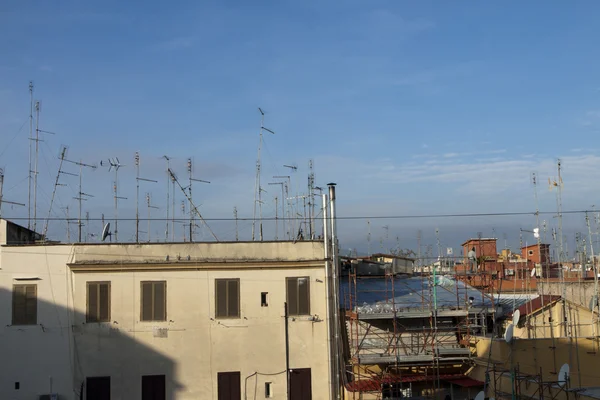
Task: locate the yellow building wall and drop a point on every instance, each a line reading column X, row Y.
column 62, row 350
column 537, row 357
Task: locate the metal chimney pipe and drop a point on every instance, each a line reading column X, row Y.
column 335, row 287
column 333, row 384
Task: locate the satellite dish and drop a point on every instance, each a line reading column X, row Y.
column 106, row 232
column 508, row 335
column 533, row 272
column 480, row 396
column 516, row 317
column 563, row 374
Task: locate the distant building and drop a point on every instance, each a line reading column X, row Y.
column 484, row 247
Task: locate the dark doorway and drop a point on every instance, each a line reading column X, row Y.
column 229, row 386
column 153, row 387
column 300, row 384
column 97, row 388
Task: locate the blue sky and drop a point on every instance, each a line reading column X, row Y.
column 411, row 107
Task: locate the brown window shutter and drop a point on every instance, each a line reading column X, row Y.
column 92, row 311
column 19, row 305
column 233, row 298
column 104, row 300
column 31, row 307
column 146, row 301
column 220, row 298
column 160, row 312
column 303, row 296
column 292, row 296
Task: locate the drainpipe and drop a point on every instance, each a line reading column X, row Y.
column 335, row 287
column 287, row 350
column 328, row 277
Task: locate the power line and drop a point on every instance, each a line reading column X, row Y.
column 416, row 216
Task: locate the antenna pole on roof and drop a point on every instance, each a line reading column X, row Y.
column 167, row 202
column 257, row 186
column 30, row 143
column 190, row 168
column 150, row 207
column 1, row 196
column 137, row 196
column 114, row 163
column 235, row 216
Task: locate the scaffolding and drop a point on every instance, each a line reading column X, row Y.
column 401, row 330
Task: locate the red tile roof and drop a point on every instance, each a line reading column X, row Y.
column 536, row 304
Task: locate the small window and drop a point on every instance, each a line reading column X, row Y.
column 98, row 302
column 97, row 388
column 227, row 298
column 24, row 310
column 154, row 387
column 154, row 301
column 530, row 252
column 264, row 299
column 298, row 296
column 268, row 390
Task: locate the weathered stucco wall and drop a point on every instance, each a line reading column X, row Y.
column 197, row 345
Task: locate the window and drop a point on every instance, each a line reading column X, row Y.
column 268, row 390
column 530, row 252
column 228, row 386
column 154, row 387
column 264, row 300
column 154, row 301
column 98, row 302
column 227, row 298
column 97, row 388
column 24, row 310
column 298, row 296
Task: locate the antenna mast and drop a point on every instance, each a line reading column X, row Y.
column 137, row 197
column 257, row 187
column 63, row 154
column 81, row 195
column 1, row 196
column 235, row 216
column 114, row 163
column 30, row 142
column 174, row 178
column 35, row 172
column 150, row 206
column 190, row 168
column 168, row 190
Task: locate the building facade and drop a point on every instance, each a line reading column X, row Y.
column 164, row 321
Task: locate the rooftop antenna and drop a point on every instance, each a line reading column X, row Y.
column 30, row 143
column 311, row 200
column 235, row 216
column 168, row 159
column 286, row 200
column 137, row 195
column 2, row 201
column 81, row 195
column 174, row 178
column 190, row 168
column 257, row 187
column 282, row 206
column 37, row 147
column 150, row 207
column 293, row 168
column 113, row 163
column 62, row 155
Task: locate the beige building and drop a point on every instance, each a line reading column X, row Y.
column 163, row 321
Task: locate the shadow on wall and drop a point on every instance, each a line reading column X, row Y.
column 61, row 354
